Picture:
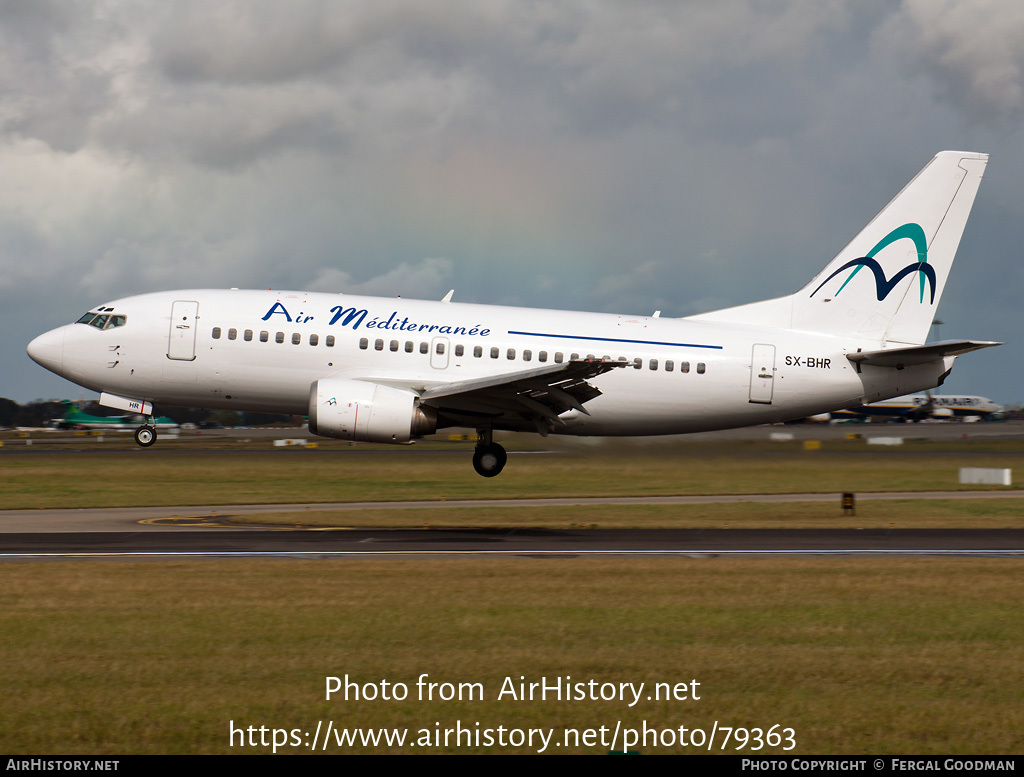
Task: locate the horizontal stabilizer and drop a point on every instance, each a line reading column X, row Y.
column 908, row 356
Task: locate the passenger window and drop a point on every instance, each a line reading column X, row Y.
column 558, row 357
column 216, row 333
column 542, row 356
column 638, row 363
column 684, row 366
column 232, row 334
column 511, row 353
column 248, row 335
column 439, row 348
column 459, row 350
column 591, row 357
column 409, row 346
column 424, row 347
column 314, row 339
column 574, row 358
column 279, row 337
column 394, row 345
column 264, row 336
column 378, row 344
column 494, row 353
column 700, row 368
column 669, row 364
column 329, row 342
column 654, row 364
column 363, row 343
column 527, row 355
column 296, row 338
column 478, row 351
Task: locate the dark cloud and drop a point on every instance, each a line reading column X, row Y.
column 588, row 155
column 252, row 43
column 973, row 52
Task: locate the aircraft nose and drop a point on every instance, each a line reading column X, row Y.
column 47, row 350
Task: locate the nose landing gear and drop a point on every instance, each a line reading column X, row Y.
column 145, row 435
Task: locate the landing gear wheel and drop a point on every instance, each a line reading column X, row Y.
column 489, row 460
column 145, row 436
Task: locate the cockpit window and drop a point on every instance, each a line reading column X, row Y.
column 103, row 320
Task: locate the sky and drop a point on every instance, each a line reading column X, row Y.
column 610, row 156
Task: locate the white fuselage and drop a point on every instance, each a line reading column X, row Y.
column 261, row 351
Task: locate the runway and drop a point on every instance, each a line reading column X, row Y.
column 202, row 531
column 158, row 517
column 523, row 542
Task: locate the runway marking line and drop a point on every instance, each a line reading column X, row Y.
column 563, row 552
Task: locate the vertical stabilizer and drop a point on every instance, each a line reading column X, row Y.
column 886, row 284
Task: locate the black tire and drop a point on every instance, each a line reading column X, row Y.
column 489, row 460
column 145, row 436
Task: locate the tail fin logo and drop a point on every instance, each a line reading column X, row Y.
column 883, row 286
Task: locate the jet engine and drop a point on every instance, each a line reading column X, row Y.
column 367, row 412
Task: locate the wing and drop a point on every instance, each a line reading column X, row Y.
column 530, row 400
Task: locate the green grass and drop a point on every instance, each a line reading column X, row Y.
column 89, row 477
column 856, row 655
column 874, row 656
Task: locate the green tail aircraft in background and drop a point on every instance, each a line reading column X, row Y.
column 75, row 418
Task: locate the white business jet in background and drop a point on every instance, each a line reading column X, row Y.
column 391, row 370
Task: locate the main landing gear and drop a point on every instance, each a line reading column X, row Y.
column 145, row 435
column 489, row 458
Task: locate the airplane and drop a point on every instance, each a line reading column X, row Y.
column 921, row 406
column 74, row 418
column 393, row 370
column 78, row 419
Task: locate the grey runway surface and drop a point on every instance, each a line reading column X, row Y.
column 527, row 542
column 114, row 519
column 199, row 531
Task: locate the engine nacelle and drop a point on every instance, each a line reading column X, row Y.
column 367, row 412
